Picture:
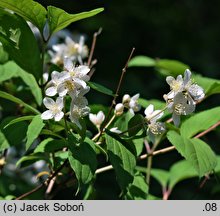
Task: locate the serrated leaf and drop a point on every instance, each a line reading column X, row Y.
column 34, row 130
column 142, row 61
column 12, row 70
column 138, row 190
column 123, row 161
column 28, row 9
column 200, row 155
column 18, row 101
column 100, row 88
column 171, row 67
column 19, row 119
column 177, row 141
column 3, row 142
column 59, row 19
column 83, row 161
column 179, row 171
column 200, row 122
column 19, row 42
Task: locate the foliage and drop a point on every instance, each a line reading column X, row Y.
column 55, row 132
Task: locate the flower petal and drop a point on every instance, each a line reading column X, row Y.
column 48, row 102
column 68, row 64
column 59, row 102
column 47, row 115
column 169, row 80
column 149, row 110
column 58, row 116
column 51, row 91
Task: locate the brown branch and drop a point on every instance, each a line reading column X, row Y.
column 93, row 46
column 117, row 92
column 161, row 151
column 45, row 183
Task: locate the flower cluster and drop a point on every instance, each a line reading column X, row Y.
column 76, row 52
column 72, row 82
column 128, row 102
column 184, row 95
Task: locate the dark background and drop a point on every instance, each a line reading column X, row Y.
column 188, row 31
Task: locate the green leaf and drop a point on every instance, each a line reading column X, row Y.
column 180, row 171
column 3, row 142
column 18, row 101
column 139, row 144
column 161, row 176
column 136, row 124
column 122, row 122
column 50, row 145
column 177, row 141
column 200, row 155
column 19, row 42
column 211, row 86
column 19, row 119
column 142, row 61
column 28, row 9
column 200, row 122
column 123, row 161
column 83, row 161
column 171, row 67
column 59, row 19
column 30, row 159
column 11, row 69
column 3, row 55
column 34, row 130
column 138, row 190
column 100, row 88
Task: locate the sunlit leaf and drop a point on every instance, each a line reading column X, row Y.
column 18, row 101
column 122, row 159
column 19, row 42
column 142, row 61
column 12, row 70
column 28, row 9
column 34, row 130
column 3, row 142
column 100, row 88
column 59, row 19
column 200, row 122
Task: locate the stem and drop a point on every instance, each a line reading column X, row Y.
column 45, row 183
column 117, row 90
column 93, row 46
column 161, row 151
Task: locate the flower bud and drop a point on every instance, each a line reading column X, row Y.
column 119, row 109
column 126, row 98
column 97, row 119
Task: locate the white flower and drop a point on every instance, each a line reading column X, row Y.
column 115, row 130
column 77, row 78
column 74, row 51
column 152, row 115
column 180, row 105
column 131, row 103
column 78, row 109
column 195, row 91
column 97, row 119
column 54, row 109
column 57, row 79
column 176, row 85
column 119, row 109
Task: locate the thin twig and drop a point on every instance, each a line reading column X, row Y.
column 161, row 151
column 93, row 46
column 45, row 183
column 117, row 90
